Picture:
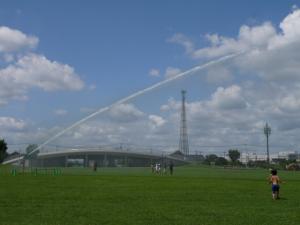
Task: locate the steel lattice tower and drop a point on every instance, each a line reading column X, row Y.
column 183, row 141
column 267, row 131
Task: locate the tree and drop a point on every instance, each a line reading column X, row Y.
column 3, row 148
column 221, row 161
column 31, row 148
column 209, row 159
column 234, row 155
column 212, row 157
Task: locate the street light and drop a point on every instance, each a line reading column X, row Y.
column 267, row 132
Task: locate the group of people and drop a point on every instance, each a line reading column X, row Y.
column 156, row 169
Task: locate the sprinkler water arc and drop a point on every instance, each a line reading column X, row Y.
column 138, row 93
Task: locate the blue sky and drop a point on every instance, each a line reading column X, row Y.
column 115, row 48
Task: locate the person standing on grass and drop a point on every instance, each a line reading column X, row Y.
column 157, row 168
column 165, row 168
column 171, row 167
column 95, row 166
column 274, row 180
column 152, row 168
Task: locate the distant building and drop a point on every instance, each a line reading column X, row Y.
column 284, row 155
column 195, row 158
column 104, row 157
column 252, row 156
column 288, row 155
column 179, row 154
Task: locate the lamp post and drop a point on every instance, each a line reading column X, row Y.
column 267, row 132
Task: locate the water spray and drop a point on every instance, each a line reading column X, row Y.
column 138, row 93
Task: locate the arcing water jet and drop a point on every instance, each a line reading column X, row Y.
column 138, row 93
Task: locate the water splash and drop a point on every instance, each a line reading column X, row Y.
column 138, row 93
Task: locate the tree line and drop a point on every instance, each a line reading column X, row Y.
column 233, row 154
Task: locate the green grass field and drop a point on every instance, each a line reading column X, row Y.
column 129, row 196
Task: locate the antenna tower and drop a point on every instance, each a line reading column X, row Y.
column 183, row 141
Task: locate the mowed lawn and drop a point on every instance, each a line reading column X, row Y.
column 119, row 196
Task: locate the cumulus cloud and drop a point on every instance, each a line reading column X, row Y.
column 25, row 70
column 290, row 31
column 88, row 131
column 270, row 63
column 171, row 72
column 36, row 71
column 172, row 104
column 11, row 124
column 183, row 40
column 125, row 113
column 156, row 121
column 289, row 103
column 278, row 60
column 223, row 119
column 218, row 75
column 125, row 123
column 8, row 58
column 248, row 38
column 12, row 40
column 228, row 98
column 154, row 73
column 270, row 52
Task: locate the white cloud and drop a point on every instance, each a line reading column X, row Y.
column 290, row 31
column 228, row 98
column 218, row 75
column 11, row 124
column 182, row 40
column 171, row 72
column 172, row 104
column 125, row 113
column 123, row 124
column 25, row 70
column 88, row 130
column 32, row 71
column 232, row 115
column 154, row 73
column 156, row 121
column 263, row 37
column 60, row 112
column 289, row 103
column 8, row 58
column 249, row 38
column 277, row 62
column 12, row 40
column 272, row 55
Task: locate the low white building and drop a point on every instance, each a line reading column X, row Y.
column 288, row 155
column 252, row 156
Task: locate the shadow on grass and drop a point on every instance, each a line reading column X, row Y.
column 282, row 199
